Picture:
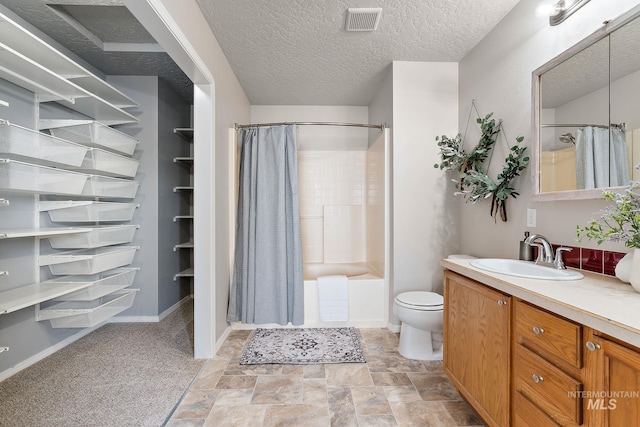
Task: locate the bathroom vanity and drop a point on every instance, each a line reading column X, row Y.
column 528, row 352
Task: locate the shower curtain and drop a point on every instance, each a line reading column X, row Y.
column 601, row 157
column 267, row 285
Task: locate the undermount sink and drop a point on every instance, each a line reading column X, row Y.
column 528, row 269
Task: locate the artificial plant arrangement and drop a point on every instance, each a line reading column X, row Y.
column 474, row 184
column 617, row 223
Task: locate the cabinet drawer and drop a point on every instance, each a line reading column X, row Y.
column 550, row 389
column 548, row 334
column 526, row 414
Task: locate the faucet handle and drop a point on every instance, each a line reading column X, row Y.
column 558, row 262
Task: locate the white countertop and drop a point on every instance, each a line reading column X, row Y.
column 599, row 301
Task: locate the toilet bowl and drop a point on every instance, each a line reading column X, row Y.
column 421, row 316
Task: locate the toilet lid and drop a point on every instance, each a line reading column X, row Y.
column 419, row 298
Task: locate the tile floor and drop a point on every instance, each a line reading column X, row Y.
column 388, row 390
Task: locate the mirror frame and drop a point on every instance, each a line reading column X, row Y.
column 601, row 33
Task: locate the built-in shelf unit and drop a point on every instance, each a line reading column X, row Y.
column 68, row 165
column 185, row 221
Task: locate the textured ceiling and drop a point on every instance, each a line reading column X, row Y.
column 296, row 51
column 283, row 51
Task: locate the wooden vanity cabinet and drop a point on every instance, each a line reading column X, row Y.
column 612, row 383
column 522, row 366
column 477, row 345
column 547, row 368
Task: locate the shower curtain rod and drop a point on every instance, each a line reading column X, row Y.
column 360, row 125
column 563, row 125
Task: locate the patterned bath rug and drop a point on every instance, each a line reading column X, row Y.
column 303, row 346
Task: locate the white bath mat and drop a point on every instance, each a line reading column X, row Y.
column 303, row 346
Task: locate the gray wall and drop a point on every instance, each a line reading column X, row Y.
column 160, row 110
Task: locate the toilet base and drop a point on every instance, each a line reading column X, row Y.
column 417, row 344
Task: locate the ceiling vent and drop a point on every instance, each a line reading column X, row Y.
column 362, row 18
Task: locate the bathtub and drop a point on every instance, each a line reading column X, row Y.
column 368, row 306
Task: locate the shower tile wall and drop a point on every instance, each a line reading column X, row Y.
column 332, row 202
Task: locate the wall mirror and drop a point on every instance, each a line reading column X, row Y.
column 586, row 114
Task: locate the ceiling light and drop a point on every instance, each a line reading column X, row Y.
column 362, row 18
column 559, row 10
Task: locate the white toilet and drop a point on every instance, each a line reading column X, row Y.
column 421, row 316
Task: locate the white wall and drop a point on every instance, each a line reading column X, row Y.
column 497, row 74
column 425, row 104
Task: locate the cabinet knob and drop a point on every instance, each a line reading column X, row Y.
column 502, row 302
column 537, row 378
column 537, row 330
column 591, row 346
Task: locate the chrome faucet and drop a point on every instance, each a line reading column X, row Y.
column 545, row 252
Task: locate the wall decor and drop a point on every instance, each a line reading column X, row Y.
column 473, row 181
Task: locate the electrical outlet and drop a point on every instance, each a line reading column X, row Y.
column 531, row 217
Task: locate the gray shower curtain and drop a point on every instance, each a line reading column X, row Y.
column 267, row 285
column 601, row 157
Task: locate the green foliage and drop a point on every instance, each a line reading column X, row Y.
column 474, row 184
column 617, row 223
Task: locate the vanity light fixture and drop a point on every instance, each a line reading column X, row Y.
column 559, row 10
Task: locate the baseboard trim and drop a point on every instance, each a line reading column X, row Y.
column 222, row 339
column 150, row 319
column 46, row 352
column 394, row 328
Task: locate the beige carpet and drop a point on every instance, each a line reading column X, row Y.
column 129, row 374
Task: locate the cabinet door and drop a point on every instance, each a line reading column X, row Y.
column 612, row 392
column 476, row 345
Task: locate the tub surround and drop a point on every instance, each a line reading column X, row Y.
column 599, row 301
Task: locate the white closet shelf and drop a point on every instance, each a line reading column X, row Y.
column 88, row 261
column 95, row 237
column 183, row 159
column 92, row 134
column 182, row 217
column 29, row 74
column 41, row 232
column 99, row 284
column 182, row 188
column 28, row 295
column 186, row 133
column 185, row 245
column 88, row 211
column 108, row 163
column 100, row 110
column 30, row 178
column 86, row 314
column 184, row 273
column 108, row 187
column 33, row 145
column 22, row 40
